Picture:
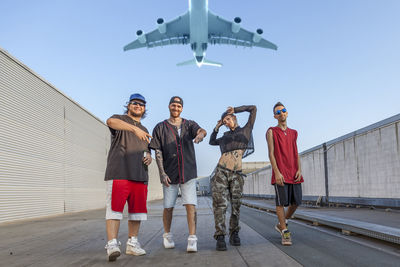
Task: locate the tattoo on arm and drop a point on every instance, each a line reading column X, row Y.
column 235, row 167
column 204, row 132
column 160, row 164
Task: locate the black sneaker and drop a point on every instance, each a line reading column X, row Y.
column 221, row 245
column 234, row 239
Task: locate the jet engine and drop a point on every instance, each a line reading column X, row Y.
column 236, row 24
column 141, row 36
column 162, row 27
column 257, row 35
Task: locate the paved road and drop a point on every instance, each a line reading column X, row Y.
column 78, row 239
column 314, row 247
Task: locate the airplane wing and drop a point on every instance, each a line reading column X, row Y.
column 177, row 32
column 220, row 32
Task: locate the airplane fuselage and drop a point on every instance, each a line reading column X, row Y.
column 198, row 14
column 199, row 27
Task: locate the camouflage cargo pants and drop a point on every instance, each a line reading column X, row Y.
column 226, row 186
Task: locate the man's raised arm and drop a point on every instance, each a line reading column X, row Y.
column 120, row 125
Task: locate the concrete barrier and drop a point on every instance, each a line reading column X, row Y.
column 362, row 167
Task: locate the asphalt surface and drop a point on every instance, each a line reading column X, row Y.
column 315, row 247
column 78, row 239
column 382, row 224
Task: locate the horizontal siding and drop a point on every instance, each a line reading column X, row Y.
column 52, row 151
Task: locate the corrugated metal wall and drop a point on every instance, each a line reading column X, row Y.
column 52, row 151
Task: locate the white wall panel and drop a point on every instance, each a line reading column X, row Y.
column 52, row 151
column 155, row 188
column 312, row 166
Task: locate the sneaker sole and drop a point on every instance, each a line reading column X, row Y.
column 221, row 249
column 128, row 252
column 113, row 256
column 191, row 250
column 234, row 244
column 287, row 244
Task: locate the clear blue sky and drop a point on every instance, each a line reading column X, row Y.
column 337, row 68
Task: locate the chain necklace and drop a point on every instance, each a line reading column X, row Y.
column 284, row 131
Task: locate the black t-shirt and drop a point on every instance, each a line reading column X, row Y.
column 125, row 159
column 179, row 158
column 240, row 138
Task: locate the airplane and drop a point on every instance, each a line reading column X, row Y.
column 199, row 27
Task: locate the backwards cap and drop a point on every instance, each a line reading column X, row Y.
column 176, row 99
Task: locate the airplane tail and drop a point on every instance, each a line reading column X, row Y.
column 212, row 63
column 188, row 62
column 194, row 62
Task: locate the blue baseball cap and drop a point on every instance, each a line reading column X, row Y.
column 137, row 97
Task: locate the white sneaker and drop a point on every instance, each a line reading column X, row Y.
column 168, row 241
column 113, row 250
column 133, row 247
column 192, row 244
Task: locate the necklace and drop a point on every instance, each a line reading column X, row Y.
column 284, row 131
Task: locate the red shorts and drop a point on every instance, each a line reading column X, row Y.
column 121, row 191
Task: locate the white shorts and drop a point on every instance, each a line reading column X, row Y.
column 188, row 191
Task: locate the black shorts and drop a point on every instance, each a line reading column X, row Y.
column 289, row 194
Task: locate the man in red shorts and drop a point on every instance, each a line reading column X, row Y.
column 126, row 176
column 286, row 170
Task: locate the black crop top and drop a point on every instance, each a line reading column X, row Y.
column 240, row 138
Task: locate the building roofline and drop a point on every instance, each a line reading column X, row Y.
column 7, row 54
column 386, row 122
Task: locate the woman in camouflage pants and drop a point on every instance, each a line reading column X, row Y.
column 227, row 181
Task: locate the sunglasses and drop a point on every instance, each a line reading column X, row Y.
column 278, row 112
column 137, row 103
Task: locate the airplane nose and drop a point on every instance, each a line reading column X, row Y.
column 199, row 58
